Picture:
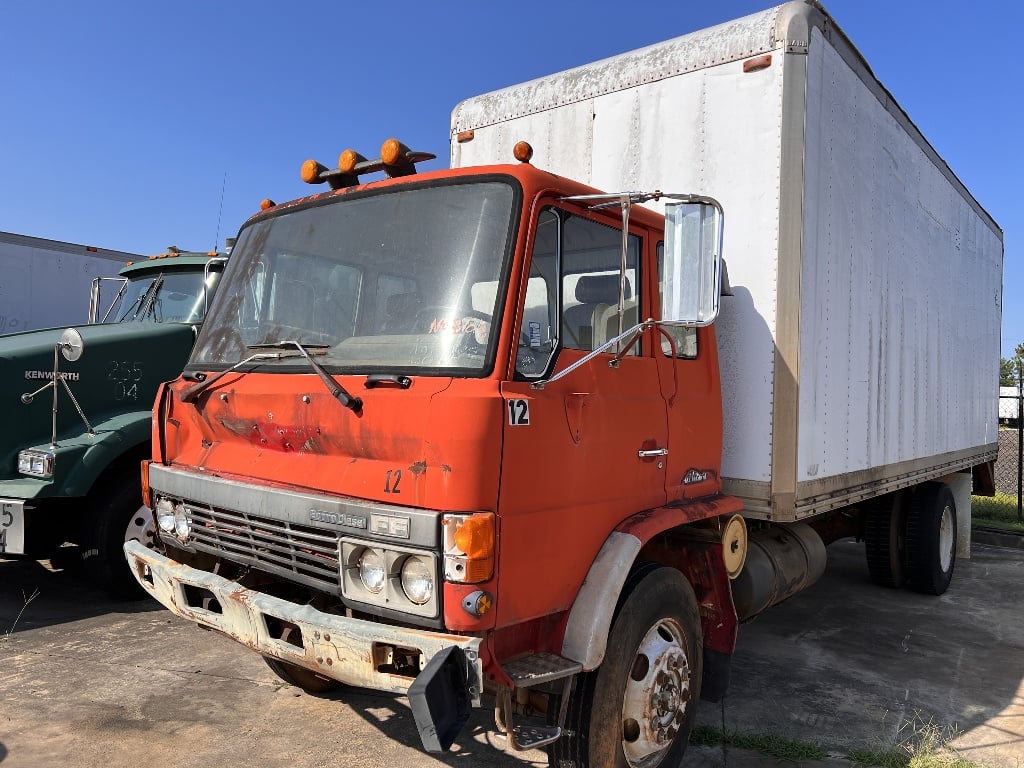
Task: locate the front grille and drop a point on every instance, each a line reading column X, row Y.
column 307, row 555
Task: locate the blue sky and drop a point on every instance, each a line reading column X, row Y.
column 134, row 125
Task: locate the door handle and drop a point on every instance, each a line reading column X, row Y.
column 652, row 453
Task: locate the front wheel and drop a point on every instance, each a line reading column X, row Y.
column 118, row 516
column 638, row 707
column 300, row 677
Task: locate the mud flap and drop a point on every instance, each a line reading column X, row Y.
column 440, row 699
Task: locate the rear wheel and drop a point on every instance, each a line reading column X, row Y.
column 638, row 707
column 931, row 539
column 300, row 677
column 885, row 541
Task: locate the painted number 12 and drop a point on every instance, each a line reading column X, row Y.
column 519, row 413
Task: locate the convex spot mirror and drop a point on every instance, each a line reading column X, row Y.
column 693, row 261
column 71, row 345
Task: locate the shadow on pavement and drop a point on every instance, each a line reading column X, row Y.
column 41, row 593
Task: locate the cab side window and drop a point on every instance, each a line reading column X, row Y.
column 572, row 293
column 591, row 258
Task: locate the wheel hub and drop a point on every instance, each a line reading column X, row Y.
column 140, row 527
column 656, row 696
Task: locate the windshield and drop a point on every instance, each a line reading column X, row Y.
column 167, row 297
column 406, row 280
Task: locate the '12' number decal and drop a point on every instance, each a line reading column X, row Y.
column 519, row 413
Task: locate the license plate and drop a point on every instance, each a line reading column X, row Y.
column 12, row 527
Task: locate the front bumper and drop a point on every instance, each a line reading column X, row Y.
column 353, row 651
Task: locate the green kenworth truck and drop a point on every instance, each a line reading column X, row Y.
column 78, row 404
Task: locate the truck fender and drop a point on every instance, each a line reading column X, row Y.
column 590, row 618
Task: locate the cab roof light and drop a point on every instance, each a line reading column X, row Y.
column 396, row 159
column 349, row 160
column 313, row 172
column 522, row 152
column 266, row 203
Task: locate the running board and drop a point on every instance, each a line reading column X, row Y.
column 527, row 672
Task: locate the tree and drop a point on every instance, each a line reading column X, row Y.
column 1010, row 369
column 1007, row 373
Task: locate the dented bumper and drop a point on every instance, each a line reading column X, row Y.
column 353, row 651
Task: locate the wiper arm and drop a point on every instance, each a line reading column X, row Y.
column 337, row 391
column 150, row 296
column 190, row 394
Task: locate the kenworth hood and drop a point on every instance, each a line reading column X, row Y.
column 118, row 373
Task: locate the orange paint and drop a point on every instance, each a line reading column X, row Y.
column 558, row 485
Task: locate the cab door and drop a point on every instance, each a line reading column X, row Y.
column 584, row 452
column 688, row 369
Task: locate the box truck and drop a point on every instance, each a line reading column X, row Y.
column 45, row 283
column 494, row 433
column 78, row 410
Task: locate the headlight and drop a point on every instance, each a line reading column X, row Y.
column 371, row 570
column 36, row 463
column 417, row 580
column 182, row 526
column 165, row 515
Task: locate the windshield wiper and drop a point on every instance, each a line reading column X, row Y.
column 192, row 393
column 150, row 296
column 337, row 391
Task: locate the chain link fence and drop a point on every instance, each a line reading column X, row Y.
column 1008, row 475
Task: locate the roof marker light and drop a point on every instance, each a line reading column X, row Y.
column 522, row 152
column 311, row 171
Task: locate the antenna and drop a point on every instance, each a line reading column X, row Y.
column 216, row 240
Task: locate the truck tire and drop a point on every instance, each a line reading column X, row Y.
column 300, row 677
column 118, row 515
column 885, row 541
column 654, row 656
column 931, row 539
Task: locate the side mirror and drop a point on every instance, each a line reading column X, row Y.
column 693, row 261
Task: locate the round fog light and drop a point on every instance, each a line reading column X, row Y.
column 371, row 570
column 417, row 580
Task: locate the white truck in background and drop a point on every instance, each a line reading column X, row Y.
column 46, row 283
column 859, row 350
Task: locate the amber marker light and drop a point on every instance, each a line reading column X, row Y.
column 468, row 547
column 147, row 494
column 266, row 203
column 757, row 63
column 463, row 136
column 392, row 152
column 522, row 151
column 347, row 161
column 478, row 603
column 311, row 171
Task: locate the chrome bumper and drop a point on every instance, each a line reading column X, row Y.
column 348, row 650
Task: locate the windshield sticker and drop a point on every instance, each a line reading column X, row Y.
column 535, row 341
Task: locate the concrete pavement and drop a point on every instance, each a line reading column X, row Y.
column 86, row 682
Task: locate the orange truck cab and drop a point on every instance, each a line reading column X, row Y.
column 458, row 434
